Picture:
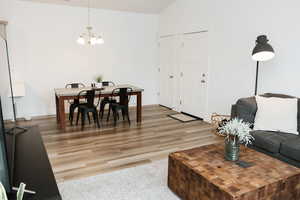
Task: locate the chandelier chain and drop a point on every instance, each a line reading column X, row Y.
column 89, row 37
column 89, row 13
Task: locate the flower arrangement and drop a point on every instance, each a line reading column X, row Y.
column 237, row 131
column 2, row 192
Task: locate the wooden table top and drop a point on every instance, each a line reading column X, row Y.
column 208, row 162
column 106, row 90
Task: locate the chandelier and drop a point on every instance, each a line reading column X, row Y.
column 89, row 37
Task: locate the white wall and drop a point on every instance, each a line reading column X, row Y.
column 45, row 54
column 233, row 27
column 184, row 16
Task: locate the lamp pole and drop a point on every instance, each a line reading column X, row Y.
column 10, row 82
column 256, row 80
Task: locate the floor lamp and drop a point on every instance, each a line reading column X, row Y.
column 263, row 51
column 15, row 130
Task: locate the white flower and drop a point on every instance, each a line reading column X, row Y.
column 2, row 192
column 237, row 129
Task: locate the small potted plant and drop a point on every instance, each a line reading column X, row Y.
column 236, row 132
column 99, row 79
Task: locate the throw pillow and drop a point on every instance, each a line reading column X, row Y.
column 276, row 114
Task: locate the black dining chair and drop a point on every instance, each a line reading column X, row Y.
column 84, row 109
column 73, row 103
column 123, row 104
column 106, row 100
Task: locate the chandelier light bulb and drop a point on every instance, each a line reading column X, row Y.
column 100, row 40
column 93, row 40
column 81, row 40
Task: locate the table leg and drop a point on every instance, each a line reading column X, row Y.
column 57, row 108
column 62, row 114
column 139, row 108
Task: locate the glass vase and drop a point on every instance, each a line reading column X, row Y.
column 232, row 150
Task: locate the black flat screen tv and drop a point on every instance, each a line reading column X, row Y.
column 4, row 170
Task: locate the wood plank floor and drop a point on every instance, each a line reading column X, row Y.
column 74, row 153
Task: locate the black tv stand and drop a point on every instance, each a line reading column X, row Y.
column 32, row 166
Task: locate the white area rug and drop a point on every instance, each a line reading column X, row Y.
column 146, row 182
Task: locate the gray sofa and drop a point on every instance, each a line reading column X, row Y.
column 283, row 146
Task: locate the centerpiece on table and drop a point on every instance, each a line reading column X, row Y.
column 99, row 79
column 236, row 132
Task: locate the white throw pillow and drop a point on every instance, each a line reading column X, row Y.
column 276, row 114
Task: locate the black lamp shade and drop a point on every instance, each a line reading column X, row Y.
column 263, row 51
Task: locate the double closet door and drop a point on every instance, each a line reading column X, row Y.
column 184, row 73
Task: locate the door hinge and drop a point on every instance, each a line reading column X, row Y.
column 182, row 44
column 159, row 69
column 181, row 74
column 158, row 44
column 180, row 102
column 158, row 94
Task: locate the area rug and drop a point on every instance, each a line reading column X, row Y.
column 146, row 182
column 183, row 117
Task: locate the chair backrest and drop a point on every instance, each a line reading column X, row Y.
column 75, row 85
column 89, row 96
column 124, row 94
column 107, row 83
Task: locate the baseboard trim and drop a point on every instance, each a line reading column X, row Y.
column 165, row 107
column 54, row 115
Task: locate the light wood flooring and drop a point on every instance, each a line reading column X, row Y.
column 75, row 154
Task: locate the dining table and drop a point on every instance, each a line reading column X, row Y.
column 63, row 95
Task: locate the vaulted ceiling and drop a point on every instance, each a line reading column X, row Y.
column 141, row 6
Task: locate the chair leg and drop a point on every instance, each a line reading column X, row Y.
column 128, row 118
column 70, row 111
column 77, row 117
column 71, row 116
column 96, row 118
column 108, row 115
column 123, row 114
column 89, row 117
column 102, row 107
column 83, row 115
column 115, row 116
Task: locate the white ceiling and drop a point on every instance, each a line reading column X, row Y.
column 142, row 6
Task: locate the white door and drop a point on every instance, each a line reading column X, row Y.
column 194, row 72
column 167, row 71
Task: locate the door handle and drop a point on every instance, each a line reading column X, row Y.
column 203, row 81
column 171, row 77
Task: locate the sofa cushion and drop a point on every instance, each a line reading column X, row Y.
column 291, row 149
column 271, row 141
